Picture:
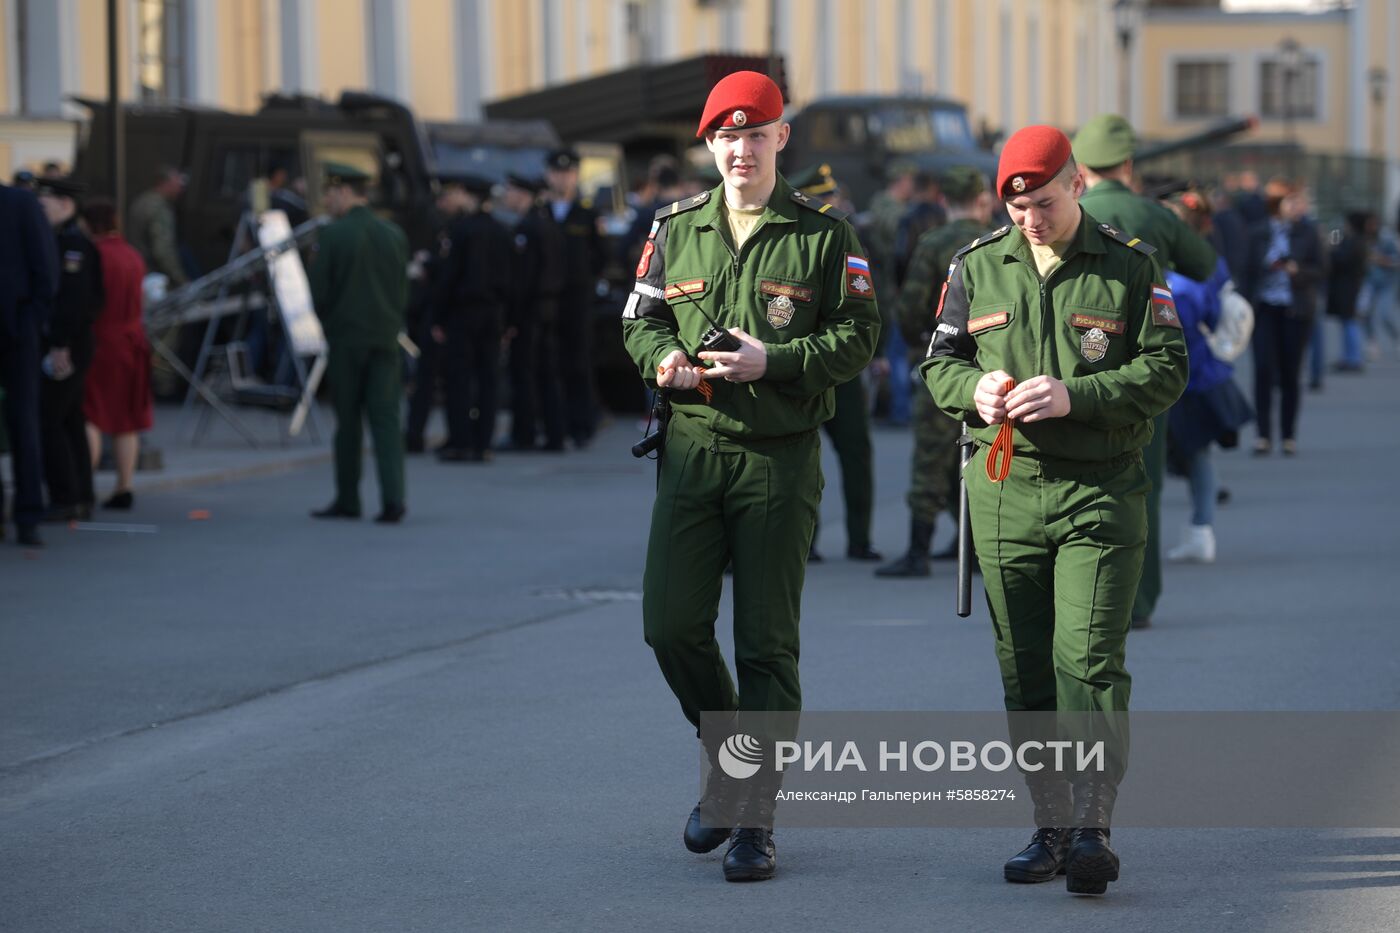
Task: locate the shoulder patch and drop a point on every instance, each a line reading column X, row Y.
column 992, row 237
column 680, row 207
column 812, row 204
column 1113, row 233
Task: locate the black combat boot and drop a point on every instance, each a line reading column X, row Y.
column 1091, row 864
column 711, row 821
column 751, row 855
column 914, row 563
column 1044, row 858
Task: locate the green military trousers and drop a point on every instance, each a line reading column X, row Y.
column 365, row 385
column 717, row 502
column 933, row 478
column 1154, row 458
column 849, row 430
column 1061, row 548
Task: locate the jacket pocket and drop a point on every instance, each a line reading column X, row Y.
column 1098, row 335
column 985, row 319
column 786, row 303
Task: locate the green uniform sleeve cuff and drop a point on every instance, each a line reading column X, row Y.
column 784, row 362
column 1083, row 402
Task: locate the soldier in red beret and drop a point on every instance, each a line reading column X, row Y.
column 782, row 277
column 1057, row 343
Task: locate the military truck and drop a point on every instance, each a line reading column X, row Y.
column 861, row 137
column 222, row 152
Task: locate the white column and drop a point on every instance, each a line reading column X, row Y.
column 1135, row 75
column 11, row 40
column 874, row 16
column 1358, row 92
column 617, row 35
column 470, row 19
column 1391, row 104
column 552, row 27
column 301, row 60
column 783, row 39
column 731, row 32
column 1035, row 46
column 662, row 16
column 200, row 45
column 386, row 44
column 943, row 42
column 826, row 33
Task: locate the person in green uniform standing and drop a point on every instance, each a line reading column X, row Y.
column 1058, row 335
column 740, row 473
column 1104, row 149
column 359, row 285
column 849, row 428
column 934, row 471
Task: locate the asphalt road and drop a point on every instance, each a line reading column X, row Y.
column 258, row 722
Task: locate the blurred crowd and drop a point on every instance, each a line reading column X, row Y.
column 499, row 319
column 74, row 359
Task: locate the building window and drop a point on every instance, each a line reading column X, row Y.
column 1274, row 95
column 1202, row 89
column 161, row 50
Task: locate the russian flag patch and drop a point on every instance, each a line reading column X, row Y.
column 858, row 284
column 1164, row 308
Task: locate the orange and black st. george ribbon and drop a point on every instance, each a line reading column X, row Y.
column 999, row 457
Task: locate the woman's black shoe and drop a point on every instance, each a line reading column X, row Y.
column 334, row 511
column 120, row 500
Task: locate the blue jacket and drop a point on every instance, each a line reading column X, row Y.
column 1199, row 303
column 28, row 262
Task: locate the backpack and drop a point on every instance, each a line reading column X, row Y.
column 1233, row 330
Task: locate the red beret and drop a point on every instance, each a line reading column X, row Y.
column 1030, row 159
column 741, row 100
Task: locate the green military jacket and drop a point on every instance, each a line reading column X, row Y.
column 928, row 270
column 151, row 229
column 359, row 280
column 1179, row 248
column 1103, row 322
column 801, row 284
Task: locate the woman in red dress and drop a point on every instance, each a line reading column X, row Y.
column 117, row 400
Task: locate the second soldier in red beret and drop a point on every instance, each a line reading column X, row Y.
column 1056, row 343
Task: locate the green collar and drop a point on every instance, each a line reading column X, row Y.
column 1016, row 246
column 781, row 208
column 1108, row 186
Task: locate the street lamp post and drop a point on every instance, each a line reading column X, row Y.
column 1377, row 78
column 1127, row 17
column 1290, row 57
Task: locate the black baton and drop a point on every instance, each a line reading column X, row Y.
column 964, row 529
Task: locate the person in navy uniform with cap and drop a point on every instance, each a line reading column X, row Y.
column 68, row 348
column 538, row 273
column 584, row 257
column 471, row 288
column 28, row 280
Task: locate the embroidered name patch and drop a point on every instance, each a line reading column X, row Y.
column 1106, row 324
column 680, row 289
column 1164, row 308
column 977, row 325
column 858, row 277
column 799, row 292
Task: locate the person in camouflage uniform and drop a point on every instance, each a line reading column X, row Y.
column 934, row 471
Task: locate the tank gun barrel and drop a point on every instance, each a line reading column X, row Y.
column 1211, row 134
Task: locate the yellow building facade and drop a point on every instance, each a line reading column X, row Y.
column 1011, row 61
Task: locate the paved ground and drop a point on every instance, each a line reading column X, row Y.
column 258, row 722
